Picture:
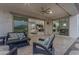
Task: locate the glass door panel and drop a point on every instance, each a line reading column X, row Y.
column 61, row 26
column 20, row 24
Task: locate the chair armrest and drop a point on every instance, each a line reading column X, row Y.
column 40, row 39
column 42, row 46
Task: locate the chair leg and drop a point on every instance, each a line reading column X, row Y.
column 34, row 47
column 50, row 48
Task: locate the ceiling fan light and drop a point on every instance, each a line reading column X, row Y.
column 50, row 12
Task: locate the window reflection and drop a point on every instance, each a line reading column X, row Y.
column 61, row 26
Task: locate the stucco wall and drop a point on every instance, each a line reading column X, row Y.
column 74, row 26
column 48, row 27
column 5, row 22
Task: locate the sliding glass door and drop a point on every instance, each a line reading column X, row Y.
column 61, row 26
column 36, row 26
column 20, row 24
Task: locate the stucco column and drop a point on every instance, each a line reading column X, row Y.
column 48, row 27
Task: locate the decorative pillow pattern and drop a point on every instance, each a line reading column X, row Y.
column 13, row 36
column 21, row 35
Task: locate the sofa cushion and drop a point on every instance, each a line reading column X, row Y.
column 46, row 41
column 21, row 35
column 13, row 36
column 49, row 43
column 40, row 42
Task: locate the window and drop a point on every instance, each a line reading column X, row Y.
column 20, row 24
column 61, row 26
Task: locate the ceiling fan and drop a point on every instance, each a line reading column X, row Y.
column 45, row 10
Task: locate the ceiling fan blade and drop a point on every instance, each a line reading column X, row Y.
column 44, row 11
column 42, row 8
column 48, row 9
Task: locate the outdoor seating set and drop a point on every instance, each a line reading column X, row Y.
column 13, row 41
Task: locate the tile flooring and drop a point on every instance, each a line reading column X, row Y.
column 74, row 49
column 61, row 44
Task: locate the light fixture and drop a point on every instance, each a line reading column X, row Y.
column 57, row 24
column 50, row 12
column 44, row 10
column 64, row 24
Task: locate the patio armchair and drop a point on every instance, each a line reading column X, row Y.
column 44, row 46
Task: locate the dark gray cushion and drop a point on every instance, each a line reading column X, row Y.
column 13, row 36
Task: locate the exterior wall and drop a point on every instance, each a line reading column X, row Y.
column 5, row 22
column 48, row 27
column 78, row 25
column 74, row 26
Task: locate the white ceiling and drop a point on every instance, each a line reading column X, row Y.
column 33, row 9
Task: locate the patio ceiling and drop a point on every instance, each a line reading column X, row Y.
column 33, row 9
